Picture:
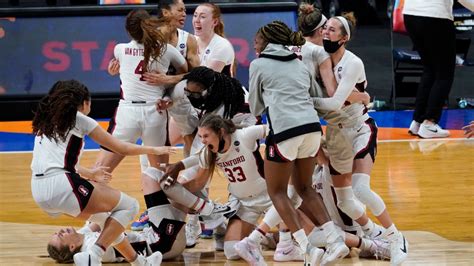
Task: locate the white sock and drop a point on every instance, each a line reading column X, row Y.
column 204, row 207
column 139, row 261
column 285, row 236
column 330, row 232
column 256, row 236
column 301, row 239
column 368, row 227
column 392, row 233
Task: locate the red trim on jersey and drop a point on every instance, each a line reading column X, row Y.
column 78, row 197
column 72, row 153
column 367, row 146
column 259, row 162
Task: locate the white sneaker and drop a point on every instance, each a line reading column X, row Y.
column 219, row 214
column 398, row 250
column 86, row 259
column 335, row 252
column 154, row 259
column 376, row 233
column 314, row 256
column 287, row 251
column 428, row 131
column 414, row 128
column 382, row 249
column 193, row 230
column 250, row 252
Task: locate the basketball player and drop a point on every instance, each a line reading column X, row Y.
column 294, row 137
column 58, row 185
column 236, row 153
column 352, row 139
column 136, row 116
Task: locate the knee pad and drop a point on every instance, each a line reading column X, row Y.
column 229, row 250
column 347, row 202
column 294, row 197
column 361, row 187
column 153, row 173
column 126, row 210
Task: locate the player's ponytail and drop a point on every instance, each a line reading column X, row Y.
column 144, row 29
column 56, row 113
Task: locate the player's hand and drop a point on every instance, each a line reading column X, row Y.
column 100, row 174
column 163, row 104
column 164, row 150
column 155, row 78
column 171, row 174
column 469, row 130
column 114, row 67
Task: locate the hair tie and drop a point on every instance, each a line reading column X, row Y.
column 321, row 23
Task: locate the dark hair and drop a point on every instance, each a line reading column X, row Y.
column 221, row 89
column 56, row 112
column 144, row 29
column 308, row 19
column 165, row 4
column 216, row 123
column 217, row 14
column 279, row 33
column 63, row 254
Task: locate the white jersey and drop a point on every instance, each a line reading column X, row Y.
column 182, row 44
column 50, row 156
column 349, row 74
column 432, row 8
column 218, row 49
column 312, row 56
column 130, row 55
column 242, row 163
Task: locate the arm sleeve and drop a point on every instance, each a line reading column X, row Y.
column 344, row 88
column 255, row 91
column 191, row 161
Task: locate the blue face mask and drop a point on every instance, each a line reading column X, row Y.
column 331, row 47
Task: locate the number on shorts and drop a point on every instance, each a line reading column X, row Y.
column 235, row 174
column 139, row 70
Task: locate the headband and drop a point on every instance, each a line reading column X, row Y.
column 345, row 23
column 321, row 23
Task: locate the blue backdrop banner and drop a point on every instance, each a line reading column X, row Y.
column 36, row 52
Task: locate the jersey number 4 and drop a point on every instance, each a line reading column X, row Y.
column 139, row 69
column 235, row 174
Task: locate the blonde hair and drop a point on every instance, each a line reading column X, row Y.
column 309, row 18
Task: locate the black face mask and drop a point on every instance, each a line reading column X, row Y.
column 331, row 47
column 197, row 102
